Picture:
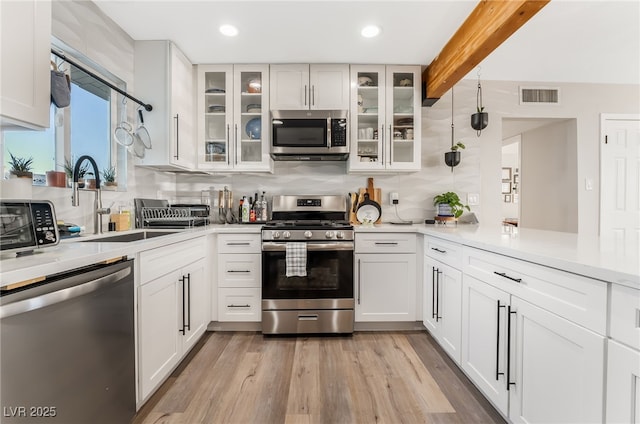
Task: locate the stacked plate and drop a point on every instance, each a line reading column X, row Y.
column 216, row 108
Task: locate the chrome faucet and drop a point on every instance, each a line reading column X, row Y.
column 98, row 210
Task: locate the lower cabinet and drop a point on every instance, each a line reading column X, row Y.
column 623, row 384
column 173, row 310
column 533, row 365
column 441, row 305
column 385, row 287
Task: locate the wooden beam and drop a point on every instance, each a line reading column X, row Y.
column 488, row 26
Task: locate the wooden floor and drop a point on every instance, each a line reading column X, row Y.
column 373, row 377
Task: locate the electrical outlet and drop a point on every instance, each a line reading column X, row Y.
column 393, row 198
column 473, row 199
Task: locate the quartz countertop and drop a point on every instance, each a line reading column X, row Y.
column 589, row 256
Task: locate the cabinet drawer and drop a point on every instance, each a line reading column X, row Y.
column 239, row 270
column 625, row 315
column 444, row 251
column 239, row 243
column 239, row 304
column 157, row 262
column 385, row 243
column 579, row 299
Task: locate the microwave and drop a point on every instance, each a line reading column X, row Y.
column 26, row 225
column 309, row 135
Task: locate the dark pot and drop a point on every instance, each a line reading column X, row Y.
column 452, row 158
column 479, row 120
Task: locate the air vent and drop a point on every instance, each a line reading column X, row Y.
column 539, row 95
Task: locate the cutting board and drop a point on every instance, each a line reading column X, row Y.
column 375, row 194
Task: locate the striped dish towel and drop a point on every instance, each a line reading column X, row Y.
column 296, row 259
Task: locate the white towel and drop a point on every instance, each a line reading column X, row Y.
column 296, row 259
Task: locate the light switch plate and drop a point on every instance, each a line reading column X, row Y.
column 473, row 199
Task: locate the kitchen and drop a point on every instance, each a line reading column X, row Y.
column 115, row 51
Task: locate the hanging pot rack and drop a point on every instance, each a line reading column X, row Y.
column 146, row 106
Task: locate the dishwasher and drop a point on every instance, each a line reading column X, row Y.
column 67, row 351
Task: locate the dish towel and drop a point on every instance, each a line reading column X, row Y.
column 296, row 259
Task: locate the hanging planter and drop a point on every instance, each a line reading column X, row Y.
column 480, row 119
column 452, row 158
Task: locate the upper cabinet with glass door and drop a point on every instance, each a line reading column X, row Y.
column 385, row 118
column 232, row 111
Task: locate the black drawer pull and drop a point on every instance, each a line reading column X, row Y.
column 438, row 250
column 246, row 243
column 387, row 243
column 504, row 274
column 239, row 270
column 238, row 306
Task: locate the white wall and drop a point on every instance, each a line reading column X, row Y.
column 549, row 178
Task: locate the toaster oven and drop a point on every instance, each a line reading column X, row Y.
column 26, row 225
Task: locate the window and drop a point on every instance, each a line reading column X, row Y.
column 85, row 127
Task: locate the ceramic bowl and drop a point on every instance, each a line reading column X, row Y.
column 254, row 128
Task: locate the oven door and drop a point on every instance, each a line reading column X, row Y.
column 329, row 272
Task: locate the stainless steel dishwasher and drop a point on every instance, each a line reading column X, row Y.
column 67, row 348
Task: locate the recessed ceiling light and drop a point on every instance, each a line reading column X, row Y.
column 370, row 31
column 229, row 30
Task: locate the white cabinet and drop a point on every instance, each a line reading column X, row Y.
column 532, row 338
column 385, row 118
column 239, row 278
column 442, row 305
column 303, row 86
column 25, row 84
column 623, row 363
column 233, row 118
column 385, row 277
column 173, row 309
column 442, row 293
column 164, row 78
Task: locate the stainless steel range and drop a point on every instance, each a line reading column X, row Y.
column 307, row 266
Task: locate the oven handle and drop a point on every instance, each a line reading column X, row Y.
column 281, row 247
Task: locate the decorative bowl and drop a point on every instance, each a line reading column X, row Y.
column 254, row 128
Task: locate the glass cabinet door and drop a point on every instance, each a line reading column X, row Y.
column 215, row 101
column 403, row 109
column 367, row 117
column 251, row 126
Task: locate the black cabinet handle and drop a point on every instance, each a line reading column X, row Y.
column 504, row 274
column 386, row 243
column 238, row 306
column 182, row 330
column 438, row 250
column 433, row 292
column 189, row 301
column 239, row 270
column 509, row 312
column 498, row 373
column 244, row 243
column 438, row 317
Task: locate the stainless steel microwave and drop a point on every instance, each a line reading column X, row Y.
column 309, row 135
column 26, row 225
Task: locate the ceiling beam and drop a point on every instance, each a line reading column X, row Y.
column 488, row 26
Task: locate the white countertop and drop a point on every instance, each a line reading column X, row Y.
column 591, row 257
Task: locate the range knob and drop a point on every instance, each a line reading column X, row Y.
column 308, row 234
column 275, row 234
column 329, row 234
column 286, row 234
column 340, row 234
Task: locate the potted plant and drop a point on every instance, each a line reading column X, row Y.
column 109, row 176
column 68, row 169
column 21, row 167
column 452, row 158
column 449, row 204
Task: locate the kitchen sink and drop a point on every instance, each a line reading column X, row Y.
column 124, row 238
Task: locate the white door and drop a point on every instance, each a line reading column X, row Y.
column 484, row 339
column 197, row 312
column 385, row 287
column 623, row 384
column 450, row 309
column 557, row 368
column 289, row 86
column 329, row 87
column 182, row 148
column 620, row 179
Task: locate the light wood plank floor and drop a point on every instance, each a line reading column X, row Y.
column 389, row 377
